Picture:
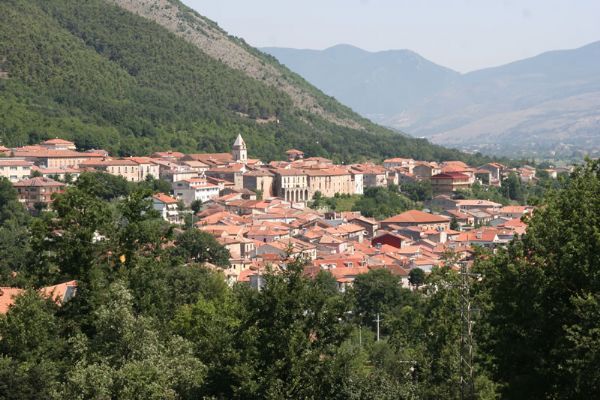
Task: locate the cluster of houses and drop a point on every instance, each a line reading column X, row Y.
column 202, row 177
column 259, row 212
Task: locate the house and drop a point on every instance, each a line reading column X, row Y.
column 126, row 168
column 15, row 169
column 390, row 239
column 407, row 163
column 167, row 207
column 189, row 190
column 416, row 218
column 369, row 225
column 449, row 182
column 425, row 170
column 372, row 175
column 46, row 158
column 65, row 174
column 58, row 144
column 146, row 168
column 60, row 294
column 38, row 191
column 496, row 170
column 232, row 173
column 260, row 180
column 512, row 212
column 294, row 155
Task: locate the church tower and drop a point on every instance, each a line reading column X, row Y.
column 239, row 152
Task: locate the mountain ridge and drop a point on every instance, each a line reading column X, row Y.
column 106, row 77
column 522, row 96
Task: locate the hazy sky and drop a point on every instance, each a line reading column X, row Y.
column 460, row 34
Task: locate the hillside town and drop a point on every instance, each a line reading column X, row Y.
column 259, row 211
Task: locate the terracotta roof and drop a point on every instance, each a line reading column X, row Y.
column 38, row 181
column 58, row 141
column 513, row 209
column 7, row 297
column 416, row 216
column 14, row 162
column 450, row 175
column 294, row 151
column 164, row 198
column 45, row 153
column 60, row 293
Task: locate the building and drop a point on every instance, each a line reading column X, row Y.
column 233, row 173
column 294, row 155
column 38, row 191
column 146, row 168
column 190, row 190
column 417, row 218
column 260, row 180
column 329, row 181
column 495, row 170
column 291, row 185
column 46, row 158
column 407, row 163
column 167, row 207
column 15, row 169
column 58, row 144
column 128, row 169
column 239, row 151
column 425, row 170
column 449, row 182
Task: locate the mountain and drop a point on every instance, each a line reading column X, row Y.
column 136, row 76
column 376, row 85
column 534, row 105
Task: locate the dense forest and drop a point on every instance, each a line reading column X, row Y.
column 151, row 319
column 106, row 78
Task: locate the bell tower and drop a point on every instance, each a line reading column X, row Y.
column 239, row 152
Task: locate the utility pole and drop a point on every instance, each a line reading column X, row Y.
column 378, row 320
column 467, row 383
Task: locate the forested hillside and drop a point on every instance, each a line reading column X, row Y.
column 107, row 78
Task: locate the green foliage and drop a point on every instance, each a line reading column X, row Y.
column 416, row 277
column 197, row 246
column 14, row 235
column 542, row 298
column 418, row 190
column 107, row 78
column 380, row 203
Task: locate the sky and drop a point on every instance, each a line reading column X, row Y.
column 464, row 35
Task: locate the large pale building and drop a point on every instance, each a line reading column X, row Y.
column 15, row 169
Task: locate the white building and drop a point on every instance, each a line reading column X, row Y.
column 167, row 207
column 14, row 169
column 192, row 189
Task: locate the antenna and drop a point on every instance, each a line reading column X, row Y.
column 467, row 381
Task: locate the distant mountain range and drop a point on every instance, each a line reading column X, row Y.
column 542, row 104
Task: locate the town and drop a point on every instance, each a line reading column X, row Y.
column 260, row 211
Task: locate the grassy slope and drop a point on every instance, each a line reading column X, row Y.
column 107, row 78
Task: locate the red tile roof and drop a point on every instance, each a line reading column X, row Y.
column 416, row 216
column 164, row 198
column 38, row 182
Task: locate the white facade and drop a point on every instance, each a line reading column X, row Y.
column 190, row 190
column 15, row 170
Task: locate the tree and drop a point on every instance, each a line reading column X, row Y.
column 454, row 224
column 378, row 291
column 512, row 188
column 416, row 277
column 196, row 206
column 197, row 246
column 543, row 305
